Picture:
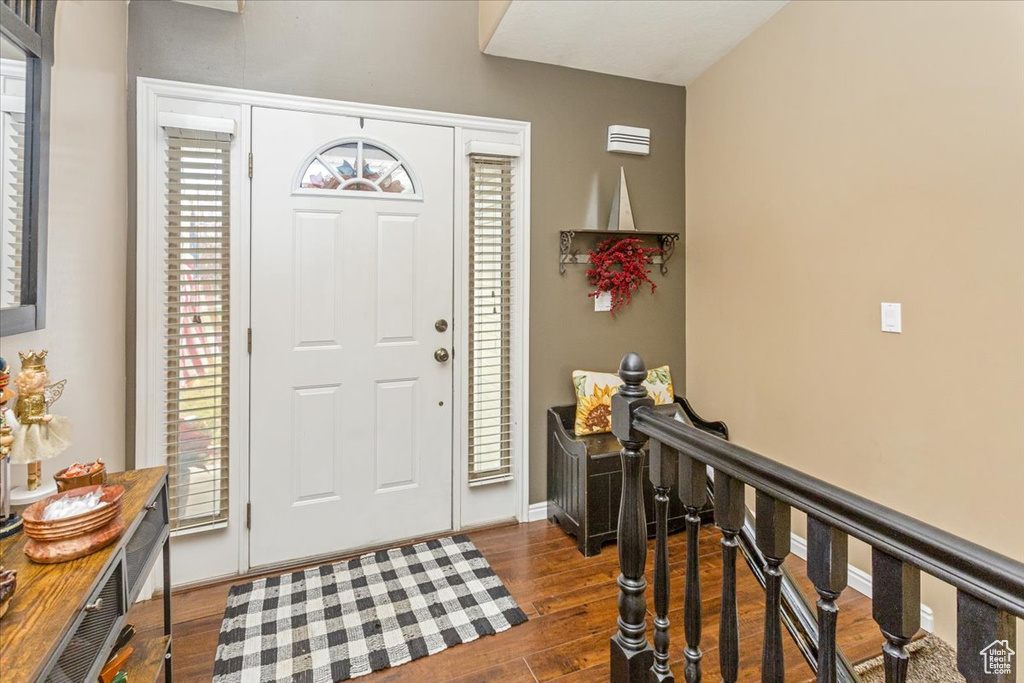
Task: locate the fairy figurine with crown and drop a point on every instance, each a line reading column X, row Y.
column 10, row 523
column 5, row 395
column 40, row 435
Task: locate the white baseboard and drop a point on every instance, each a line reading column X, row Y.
column 537, row 512
column 860, row 581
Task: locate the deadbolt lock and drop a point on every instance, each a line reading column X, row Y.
column 441, row 325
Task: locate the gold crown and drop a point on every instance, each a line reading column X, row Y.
column 33, row 360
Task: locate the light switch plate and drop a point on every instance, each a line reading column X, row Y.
column 603, row 302
column 892, row 318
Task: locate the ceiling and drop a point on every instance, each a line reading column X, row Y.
column 653, row 40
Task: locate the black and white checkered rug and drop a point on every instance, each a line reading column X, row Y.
column 344, row 620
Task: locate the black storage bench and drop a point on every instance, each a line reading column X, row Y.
column 585, row 480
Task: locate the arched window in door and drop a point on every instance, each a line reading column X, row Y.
column 357, row 166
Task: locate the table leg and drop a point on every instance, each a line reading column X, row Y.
column 168, row 677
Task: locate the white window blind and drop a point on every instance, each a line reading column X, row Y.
column 13, row 205
column 197, row 298
column 491, row 252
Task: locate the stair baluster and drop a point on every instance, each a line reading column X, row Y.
column 827, row 569
column 980, row 628
column 693, row 492
column 896, row 607
column 773, row 538
column 663, row 472
column 729, row 508
column 990, row 586
column 631, row 654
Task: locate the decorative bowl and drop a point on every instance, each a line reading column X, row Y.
column 77, row 525
column 66, row 483
column 110, row 512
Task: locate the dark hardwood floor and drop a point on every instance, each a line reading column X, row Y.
column 571, row 604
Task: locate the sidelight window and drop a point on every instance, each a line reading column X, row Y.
column 197, row 308
column 491, row 252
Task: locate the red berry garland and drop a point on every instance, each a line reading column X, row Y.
column 620, row 267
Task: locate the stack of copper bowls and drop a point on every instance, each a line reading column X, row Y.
column 48, row 531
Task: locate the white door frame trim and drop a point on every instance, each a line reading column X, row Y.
column 156, row 95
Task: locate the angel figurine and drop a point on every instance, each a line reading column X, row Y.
column 40, row 435
column 10, row 523
column 5, row 395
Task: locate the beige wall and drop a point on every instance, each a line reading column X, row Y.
column 843, row 155
column 87, row 225
column 425, row 55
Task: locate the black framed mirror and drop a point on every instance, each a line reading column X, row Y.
column 26, row 57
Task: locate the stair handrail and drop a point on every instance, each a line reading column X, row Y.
column 990, row 586
column 984, row 573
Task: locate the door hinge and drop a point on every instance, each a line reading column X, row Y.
column 248, row 515
column 248, row 341
column 250, row 164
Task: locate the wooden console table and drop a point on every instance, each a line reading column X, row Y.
column 64, row 618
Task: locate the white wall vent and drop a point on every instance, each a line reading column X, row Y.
column 629, row 140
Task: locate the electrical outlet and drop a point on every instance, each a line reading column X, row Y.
column 603, row 302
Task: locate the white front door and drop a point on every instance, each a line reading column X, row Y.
column 351, row 420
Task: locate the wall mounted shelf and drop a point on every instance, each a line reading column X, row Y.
column 570, row 255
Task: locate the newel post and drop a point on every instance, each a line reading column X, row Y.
column 631, row 654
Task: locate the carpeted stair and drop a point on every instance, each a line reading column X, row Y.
column 932, row 660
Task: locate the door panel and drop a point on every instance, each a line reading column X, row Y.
column 396, row 284
column 351, row 440
column 316, row 413
column 396, row 452
column 318, row 238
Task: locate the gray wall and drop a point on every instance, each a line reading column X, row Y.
column 424, row 55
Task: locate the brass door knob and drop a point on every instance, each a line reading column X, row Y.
column 441, row 355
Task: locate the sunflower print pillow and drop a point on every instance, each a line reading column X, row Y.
column 594, row 396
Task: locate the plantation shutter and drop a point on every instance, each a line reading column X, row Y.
column 197, row 298
column 13, row 208
column 491, row 252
